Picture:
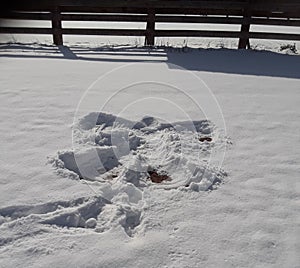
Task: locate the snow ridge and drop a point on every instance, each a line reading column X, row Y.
column 111, row 148
column 116, row 158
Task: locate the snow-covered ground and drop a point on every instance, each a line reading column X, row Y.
column 83, row 127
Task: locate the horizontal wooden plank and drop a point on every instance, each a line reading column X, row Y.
column 198, row 19
column 102, row 17
column 196, row 33
column 229, row 4
column 73, row 31
column 138, row 12
column 159, row 18
column 27, row 16
column 74, row 9
column 112, row 32
column 25, row 30
column 158, row 33
column 279, row 7
column 142, row 5
column 226, row 34
column 275, row 22
column 275, row 36
column 164, row 6
column 128, row 3
column 269, row 14
column 259, row 5
column 130, row 10
column 226, row 20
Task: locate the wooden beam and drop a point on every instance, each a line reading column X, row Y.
column 275, row 36
column 72, row 31
column 57, row 27
column 150, row 28
column 25, row 30
column 158, row 18
column 159, row 33
column 104, row 17
column 217, row 10
column 279, row 22
column 196, row 33
column 128, row 3
column 27, row 16
column 112, row 32
column 244, row 41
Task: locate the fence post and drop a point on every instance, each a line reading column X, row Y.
column 57, row 27
column 150, row 28
column 245, row 28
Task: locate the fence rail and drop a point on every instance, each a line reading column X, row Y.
column 239, row 12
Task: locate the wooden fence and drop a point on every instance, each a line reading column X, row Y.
column 230, row 12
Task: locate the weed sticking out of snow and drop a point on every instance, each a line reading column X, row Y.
column 289, row 48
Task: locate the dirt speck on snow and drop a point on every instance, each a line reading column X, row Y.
column 155, row 177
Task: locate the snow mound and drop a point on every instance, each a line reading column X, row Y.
column 129, row 164
column 93, row 212
column 108, row 148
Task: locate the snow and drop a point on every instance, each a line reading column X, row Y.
column 79, row 135
column 128, row 150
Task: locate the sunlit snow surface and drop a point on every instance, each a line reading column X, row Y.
column 53, row 217
column 113, row 156
column 116, row 149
